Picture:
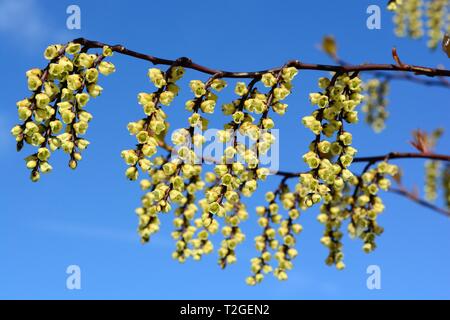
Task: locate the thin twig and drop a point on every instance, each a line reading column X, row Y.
column 439, row 82
column 422, row 202
column 373, row 159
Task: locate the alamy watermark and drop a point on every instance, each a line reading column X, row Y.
column 73, row 21
column 73, row 281
column 373, row 281
column 373, row 21
column 257, row 149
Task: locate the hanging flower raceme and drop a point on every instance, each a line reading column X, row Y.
column 432, row 169
column 329, row 160
column 204, row 101
column 277, row 240
column 446, row 185
column 170, row 178
column 266, row 243
column 366, row 205
column 437, row 11
column 376, row 103
column 409, row 18
column 54, row 116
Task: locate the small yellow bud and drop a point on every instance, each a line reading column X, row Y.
column 268, row 80
column 241, row 89
column 106, row 68
column 52, row 52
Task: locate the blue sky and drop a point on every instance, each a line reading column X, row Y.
column 87, row 217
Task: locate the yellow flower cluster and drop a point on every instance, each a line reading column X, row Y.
column 432, row 167
column 375, row 103
column 267, row 243
column 437, row 11
column 446, row 185
column 171, row 181
column 150, row 130
column 365, row 205
column 232, row 232
column 327, row 160
column 408, row 19
column 394, row 4
column 55, row 115
column 431, row 176
column 287, row 230
column 204, row 101
column 231, row 176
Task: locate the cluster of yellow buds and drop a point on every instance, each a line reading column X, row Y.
column 437, row 11
column 329, row 161
column 431, row 176
column 171, row 181
column 230, row 177
column 54, row 116
column 331, row 215
column 432, row 167
column 184, row 222
column 375, row 103
column 287, row 230
column 446, row 185
column 267, row 243
column 365, row 205
column 408, row 19
column 204, row 101
column 150, row 130
column 231, row 231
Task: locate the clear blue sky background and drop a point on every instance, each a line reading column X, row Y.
column 87, row 217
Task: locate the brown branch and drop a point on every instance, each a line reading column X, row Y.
column 377, row 69
column 373, row 159
column 188, row 63
column 439, row 82
column 403, row 155
column 370, row 160
column 424, row 203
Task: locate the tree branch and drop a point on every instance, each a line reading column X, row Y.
column 342, row 67
column 440, row 82
column 188, row 63
column 424, row 203
column 373, row 159
column 403, row 155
